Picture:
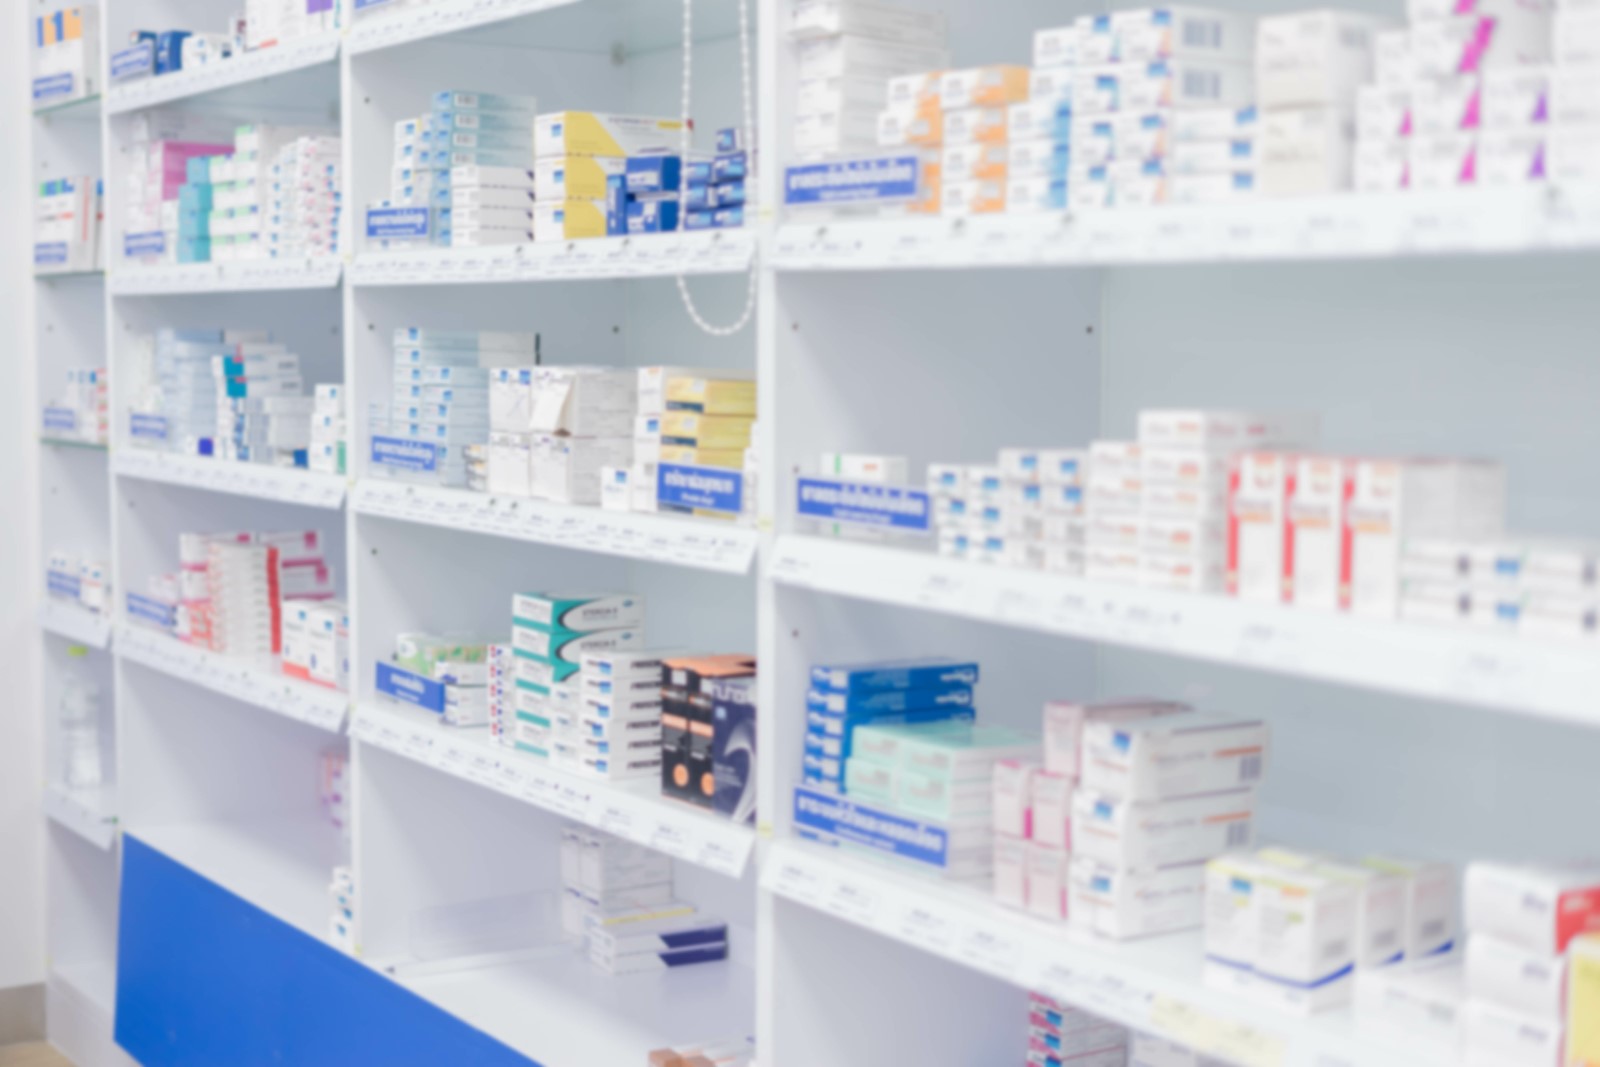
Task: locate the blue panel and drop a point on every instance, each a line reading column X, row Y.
column 205, row 979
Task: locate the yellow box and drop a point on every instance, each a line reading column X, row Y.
column 712, row 396
column 991, row 86
column 567, row 220
column 574, row 177
column 1583, row 1002
column 706, row 431
column 594, row 133
column 727, row 458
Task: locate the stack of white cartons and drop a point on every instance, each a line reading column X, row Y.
column 263, row 414
column 1160, row 108
column 327, row 637
column 847, row 53
column 1574, row 144
column 977, row 104
column 66, row 225
column 275, row 22
column 329, row 431
column 65, row 54
column 1024, row 511
column 1520, row 921
column 502, row 691
column 581, row 421
column 1113, row 501
column 1189, row 459
column 1062, row 1034
column 605, row 879
column 242, row 590
column 242, row 189
column 1309, row 66
column 1140, row 75
column 1542, row 589
column 617, row 723
column 1039, row 152
column 80, row 412
column 304, row 201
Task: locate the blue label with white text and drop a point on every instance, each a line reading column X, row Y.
column 150, row 243
column 60, row 420
column 403, row 453
column 147, row 427
column 879, row 180
column 135, row 61
column 838, row 817
column 397, row 222
column 410, row 688
column 148, row 609
column 53, row 87
column 707, row 488
column 50, row 254
column 884, row 506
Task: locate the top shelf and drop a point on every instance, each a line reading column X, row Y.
column 230, row 73
column 1349, row 226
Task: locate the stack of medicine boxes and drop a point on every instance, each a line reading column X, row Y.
column 1545, row 589
column 304, row 199
column 195, row 204
column 1309, row 66
column 66, row 55
column 1024, row 511
column 263, row 415
column 183, row 389
column 553, row 429
column 1034, row 805
column 644, row 197
column 577, row 153
column 66, row 225
column 1150, row 80
column 690, row 697
column 664, row 389
column 243, row 190
column 978, row 104
column 445, row 674
column 441, row 401
column 612, row 730
column 847, row 54
column 718, row 190
column 157, row 170
column 80, row 411
column 1060, row 1034
column 1521, row 922
column 1040, row 151
column 708, row 421
column 315, row 643
column 478, row 151
column 550, row 634
column 329, row 430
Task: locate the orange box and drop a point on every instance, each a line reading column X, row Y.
column 977, row 162
column 976, row 125
column 992, row 86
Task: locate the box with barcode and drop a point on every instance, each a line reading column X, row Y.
column 1162, row 84
column 1125, row 833
column 1150, row 33
column 1174, row 755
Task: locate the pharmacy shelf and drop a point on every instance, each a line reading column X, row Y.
column 1350, row 226
column 1551, row 680
column 235, row 71
column 647, row 256
column 68, row 442
column 700, row 543
column 281, row 865
column 416, row 23
column 252, row 683
column 89, row 813
column 1153, row 985
column 635, row 811
column 562, row 1011
column 83, row 108
column 252, row 275
column 74, row 623
column 287, row 485
column 67, row 275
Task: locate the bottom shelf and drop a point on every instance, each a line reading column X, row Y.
column 1153, row 985
column 281, row 865
column 560, row 1011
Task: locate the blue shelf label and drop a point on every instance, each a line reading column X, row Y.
column 884, row 506
column 150, row 243
column 706, row 488
column 403, row 453
column 397, row 222
column 368, row 5
column 60, row 421
column 53, row 86
column 135, row 61
column 149, row 609
column 410, row 688
column 878, row 180
column 147, row 427
column 837, row 818
column 60, row 583
column 50, row 254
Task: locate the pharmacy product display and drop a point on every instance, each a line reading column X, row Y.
column 1189, row 106
column 80, row 412
column 618, row 900
column 577, row 685
column 67, row 219
column 235, row 395
column 81, row 583
column 272, row 192
column 1060, row 1034
column 245, row 594
column 65, row 54
column 152, row 53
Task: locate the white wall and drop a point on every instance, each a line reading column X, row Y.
column 21, row 823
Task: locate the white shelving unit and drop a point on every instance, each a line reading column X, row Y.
column 1458, row 324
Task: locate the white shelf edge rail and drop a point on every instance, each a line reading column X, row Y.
column 702, row 543
column 304, row 702
column 1553, row 680
column 383, row 29
column 647, row 256
column 75, row 624
column 76, row 814
column 251, row 275
column 1352, row 225
column 236, row 70
column 312, row 489
column 1150, row 985
column 676, row 829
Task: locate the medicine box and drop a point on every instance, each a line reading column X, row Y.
column 878, row 676
column 1174, row 755
column 1064, row 723
column 577, row 612
column 1122, row 904
column 1159, row 833
column 1538, row 909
